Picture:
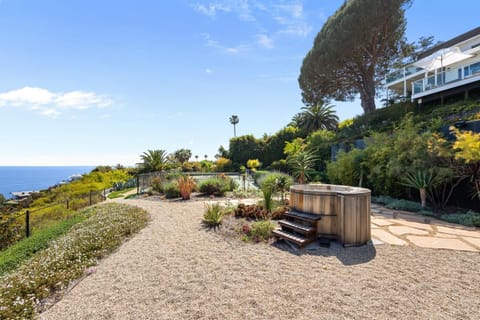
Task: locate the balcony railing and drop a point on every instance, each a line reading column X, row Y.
column 396, row 75
column 446, row 77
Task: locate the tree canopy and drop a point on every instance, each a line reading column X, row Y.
column 234, row 119
column 182, row 155
column 153, row 160
column 316, row 117
column 352, row 52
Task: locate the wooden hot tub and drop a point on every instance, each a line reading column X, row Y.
column 344, row 210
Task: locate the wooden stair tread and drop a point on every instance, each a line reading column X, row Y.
column 288, row 236
column 304, row 216
column 296, row 226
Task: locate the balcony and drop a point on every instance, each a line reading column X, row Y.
column 399, row 74
column 446, row 80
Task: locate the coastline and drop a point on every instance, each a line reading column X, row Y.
column 28, row 178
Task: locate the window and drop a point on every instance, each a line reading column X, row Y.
column 475, row 68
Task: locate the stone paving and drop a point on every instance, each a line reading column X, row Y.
column 407, row 229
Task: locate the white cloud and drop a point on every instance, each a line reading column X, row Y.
column 211, row 9
column 287, row 17
column 294, row 10
column 82, row 100
column 51, row 113
column 297, row 29
column 265, row 41
column 208, row 71
column 209, row 42
column 291, row 17
column 26, row 95
column 52, row 104
column 241, row 8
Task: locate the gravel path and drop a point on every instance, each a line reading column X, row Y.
column 175, row 269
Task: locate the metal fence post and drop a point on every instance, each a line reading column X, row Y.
column 90, row 197
column 27, row 223
column 68, row 205
column 138, row 184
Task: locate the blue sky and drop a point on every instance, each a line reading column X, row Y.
column 98, row 82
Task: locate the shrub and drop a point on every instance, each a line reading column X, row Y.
column 67, row 258
column 253, row 164
column 259, row 175
column 258, row 212
column 10, row 231
column 383, row 200
column 470, row 218
column 279, row 182
column 223, row 164
column 157, row 184
column 21, row 251
column 171, row 190
column 404, row 205
column 217, row 185
column 347, row 169
column 261, row 230
column 213, row 215
column 186, row 185
column 279, row 165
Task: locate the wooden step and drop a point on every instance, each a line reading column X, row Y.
column 297, row 227
column 308, row 217
column 299, row 240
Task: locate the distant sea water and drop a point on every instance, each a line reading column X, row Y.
column 35, row 178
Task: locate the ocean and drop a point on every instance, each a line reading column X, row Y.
column 35, row 178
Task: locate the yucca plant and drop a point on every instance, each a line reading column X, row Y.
column 213, row 215
column 267, row 191
column 186, row 184
column 302, row 165
column 421, row 180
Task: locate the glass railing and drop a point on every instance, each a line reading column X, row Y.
column 398, row 74
column 446, row 77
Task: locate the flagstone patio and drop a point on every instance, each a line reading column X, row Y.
column 407, row 229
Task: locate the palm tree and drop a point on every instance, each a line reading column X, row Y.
column 234, row 120
column 316, row 117
column 296, row 120
column 153, row 160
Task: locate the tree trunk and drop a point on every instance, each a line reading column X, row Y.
column 367, row 95
column 423, row 197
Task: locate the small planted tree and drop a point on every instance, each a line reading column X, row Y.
column 302, row 164
column 253, row 164
column 421, row 180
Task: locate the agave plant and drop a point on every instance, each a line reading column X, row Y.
column 186, row 184
column 213, row 215
column 421, row 180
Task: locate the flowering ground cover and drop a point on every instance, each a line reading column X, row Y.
column 31, row 287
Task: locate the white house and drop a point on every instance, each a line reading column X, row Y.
column 449, row 68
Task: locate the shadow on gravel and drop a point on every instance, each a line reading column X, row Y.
column 348, row 256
